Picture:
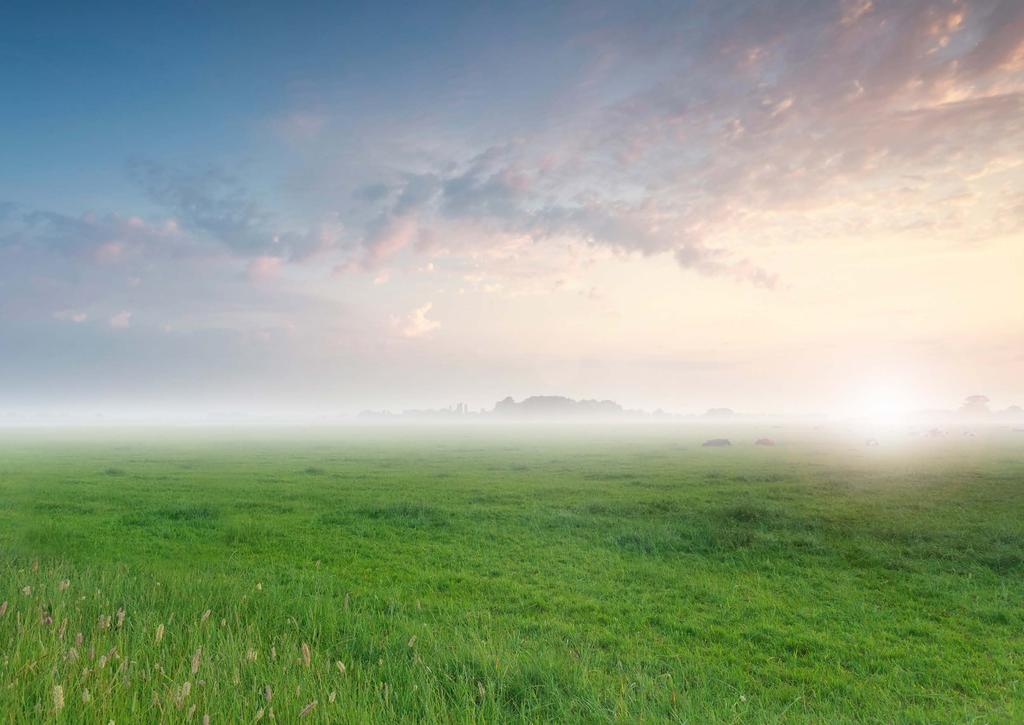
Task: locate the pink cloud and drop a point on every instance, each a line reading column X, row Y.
column 265, row 268
column 382, row 245
column 416, row 323
column 109, row 252
column 121, row 320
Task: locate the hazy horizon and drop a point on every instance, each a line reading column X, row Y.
column 885, row 416
column 786, row 208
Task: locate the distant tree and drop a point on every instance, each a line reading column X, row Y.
column 975, row 405
column 719, row 413
column 508, row 405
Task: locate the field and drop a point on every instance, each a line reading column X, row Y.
column 627, row 574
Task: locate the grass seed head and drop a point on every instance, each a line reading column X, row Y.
column 159, row 633
column 196, row 659
column 64, row 584
column 206, row 615
column 341, row 666
column 268, row 693
column 58, row 698
column 308, row 709
column 3, row 608
column 306, row 655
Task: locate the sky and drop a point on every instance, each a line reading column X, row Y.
column 787, row 206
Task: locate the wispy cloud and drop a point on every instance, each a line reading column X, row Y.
column 70, row 315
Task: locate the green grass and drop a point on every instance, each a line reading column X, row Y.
column 479, row 575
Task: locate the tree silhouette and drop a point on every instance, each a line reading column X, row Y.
column 975, row 405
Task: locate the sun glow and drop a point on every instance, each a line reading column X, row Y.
column 884, row 402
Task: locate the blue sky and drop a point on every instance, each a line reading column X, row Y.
column 335, row 206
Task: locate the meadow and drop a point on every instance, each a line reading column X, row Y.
column 484, row 575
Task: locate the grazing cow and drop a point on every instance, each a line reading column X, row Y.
column 764, row 442
column 871, row 442
column 716, row 443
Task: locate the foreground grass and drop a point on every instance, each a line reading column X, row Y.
column 357, row 576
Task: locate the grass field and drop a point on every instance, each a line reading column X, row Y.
column 481, row 575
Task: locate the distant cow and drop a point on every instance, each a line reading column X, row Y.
column 764, row 442
column 871, row 442
column 717, row 442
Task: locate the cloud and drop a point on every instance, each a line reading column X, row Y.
column 706, row 136
column 64, row 268
column 215, row 205
column 70, row 315
column 771, row 116
column 300, row 127
column 212, row 202
column 416, row 323
column 109, row 251
column 496, row 194
column 264, row 268
column 121, row 320
column 105, row 238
